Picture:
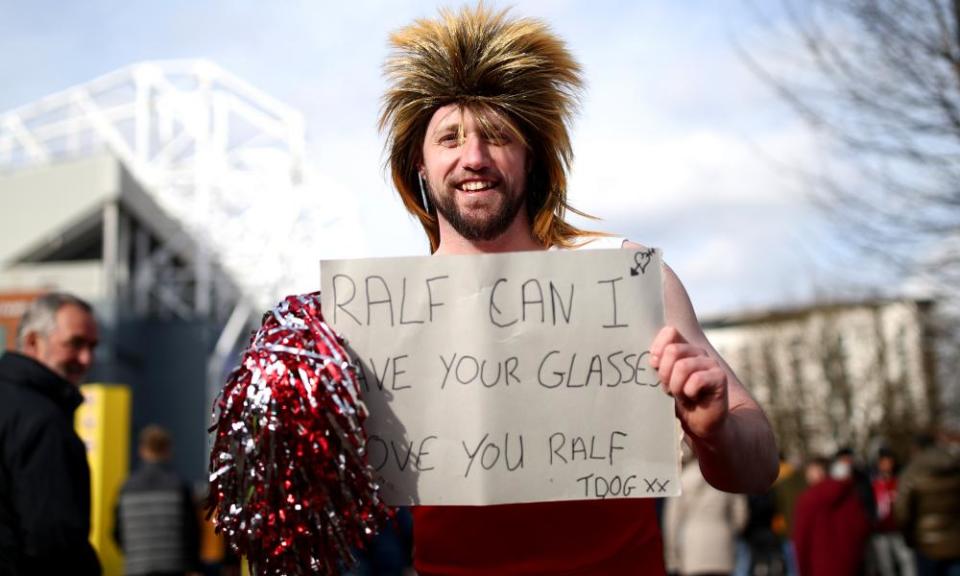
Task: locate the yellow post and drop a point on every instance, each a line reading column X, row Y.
column 103, row 422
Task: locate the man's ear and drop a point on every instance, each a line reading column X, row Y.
column 31, row 342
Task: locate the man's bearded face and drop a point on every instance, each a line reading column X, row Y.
column 476, row 172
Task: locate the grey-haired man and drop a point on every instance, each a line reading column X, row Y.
column 44, row 476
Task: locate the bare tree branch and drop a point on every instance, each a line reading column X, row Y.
column 879, row 81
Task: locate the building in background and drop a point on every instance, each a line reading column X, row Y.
column 174, row 197
column 843, row 374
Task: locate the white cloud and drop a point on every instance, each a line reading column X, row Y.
column 632, row 174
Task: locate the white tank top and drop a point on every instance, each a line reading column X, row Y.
column 597, row 243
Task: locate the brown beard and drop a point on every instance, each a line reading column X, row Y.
column 486, row 229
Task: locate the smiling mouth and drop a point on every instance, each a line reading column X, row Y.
column 476, row 186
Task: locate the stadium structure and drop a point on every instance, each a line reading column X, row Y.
column 176, row 198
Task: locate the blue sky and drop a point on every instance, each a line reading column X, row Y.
column 677, row 145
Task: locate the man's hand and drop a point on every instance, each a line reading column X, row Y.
column 696, row 380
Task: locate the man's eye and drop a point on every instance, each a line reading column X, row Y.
column 449, row 140
column 498, row 138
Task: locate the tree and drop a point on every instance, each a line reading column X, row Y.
column 879, row 81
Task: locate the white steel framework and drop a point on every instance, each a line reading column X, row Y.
column 221, row 156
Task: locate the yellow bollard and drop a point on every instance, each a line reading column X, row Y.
column 103, row 423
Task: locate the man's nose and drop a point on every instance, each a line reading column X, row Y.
column 85, row 356
column 475, row 154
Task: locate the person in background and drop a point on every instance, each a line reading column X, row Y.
column 157, row 526
column 831, row 524
column 765, row 547
column 816, row 471
column 845, row 465
column 927, row 507
column 890, row 552
column 44, row 475
column 759, row 550
column 786, row 491
column 701, row 525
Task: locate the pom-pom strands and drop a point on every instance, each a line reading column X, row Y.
column 289, row 482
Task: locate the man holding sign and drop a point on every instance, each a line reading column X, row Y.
column 476, row 118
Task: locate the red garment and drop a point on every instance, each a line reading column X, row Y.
column 831, row 529
column 885, row 491
column 582, row 538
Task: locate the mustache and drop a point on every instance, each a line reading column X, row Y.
column 488, row 173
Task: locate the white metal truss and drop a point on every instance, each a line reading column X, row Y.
column 221, row 156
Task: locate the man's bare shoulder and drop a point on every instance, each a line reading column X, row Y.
column 677, row 306
column 634, row 246
column 671, row 282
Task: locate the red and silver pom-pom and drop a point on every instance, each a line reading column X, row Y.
column 289, row 482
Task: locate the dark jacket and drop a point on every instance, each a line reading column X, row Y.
column 928, row 504
column 44, row 476
column 157, row 526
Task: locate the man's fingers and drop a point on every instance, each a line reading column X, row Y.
column 684, row 370
column 702, row 384
column 667, row 335
column 671, row 354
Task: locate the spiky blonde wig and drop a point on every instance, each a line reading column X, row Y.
column 483, row 60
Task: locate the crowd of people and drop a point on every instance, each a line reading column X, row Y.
column 828, row 516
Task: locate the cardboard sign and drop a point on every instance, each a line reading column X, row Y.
column 505, row 378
